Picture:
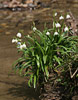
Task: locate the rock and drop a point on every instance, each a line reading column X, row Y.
column 28, row 1
column 20, row 3
column 7, row 33
column 75, row 97
column 3, row 24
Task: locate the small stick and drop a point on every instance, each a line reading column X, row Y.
column 72, row 75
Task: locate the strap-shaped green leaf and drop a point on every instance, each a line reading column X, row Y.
column 45, row 59
column 24, row 66
column 38, row 63
column 42, row 67
column 40, row 47
column 30, row 80
column 17, row 61
column 57, row 59
column 34, row 81
column 46, row 70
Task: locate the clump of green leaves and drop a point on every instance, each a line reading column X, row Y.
column 51, row 49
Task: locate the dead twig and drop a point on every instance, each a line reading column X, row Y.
column 72, row 75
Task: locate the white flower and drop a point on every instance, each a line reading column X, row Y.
column 22, row 46
column 19, row 35
column 57, row 25
column 68, row 16
column 48, row 33
column 55, row 14
column 55, row 33
column 34, row 28
column 66, row 29
column 61, row 17
column 14, row 40
column 28, row 35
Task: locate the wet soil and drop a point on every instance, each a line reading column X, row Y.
column 14, row 87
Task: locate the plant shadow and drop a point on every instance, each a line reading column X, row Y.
column 22, row 90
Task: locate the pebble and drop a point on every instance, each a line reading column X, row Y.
column 3, row 24
column 8, row 33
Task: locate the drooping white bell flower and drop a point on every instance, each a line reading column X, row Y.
column 14, row 40
column 19, row 35
column 61, row 17
column 66, row 29
column 48, row 33
column 28, row 35
column 57, row 25
column 68, row 16
column 34, row 28
column 56, row 33
column 23, row 46
column 55, row 14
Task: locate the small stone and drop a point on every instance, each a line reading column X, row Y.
column 45, row 95
column 7, row 33
column 53, row 98
column 3, row 24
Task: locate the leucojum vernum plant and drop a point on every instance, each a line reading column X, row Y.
column 52, row 49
